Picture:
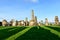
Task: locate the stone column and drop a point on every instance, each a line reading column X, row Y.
column 32, row 16
column 4, row 23
column 46, row 21
column 32, row 21
column 35, row 20
column 56, row 20
column 26, row 22
column 13, row 22
column 41, row 22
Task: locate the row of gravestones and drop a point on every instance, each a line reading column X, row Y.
column 14, row 23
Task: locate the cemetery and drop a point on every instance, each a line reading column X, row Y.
column 30, row 30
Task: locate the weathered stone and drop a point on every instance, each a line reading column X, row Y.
column 21, row 23
column 36, row 20
column 56, row 20
column 39, row 24
column 32, row 23
column 32, row 15
column 4, row 23
column 26, row 22
column 46, row 22
column 13, row 22
column 33, row 20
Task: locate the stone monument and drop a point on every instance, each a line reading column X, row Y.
column 46, row 22
column 26, row 22
column 56, row 20
column 4, row 23
column 32, row 21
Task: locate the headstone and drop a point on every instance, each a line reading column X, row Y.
column 46, row 22
column 4, row 23
column 13, row 22
column 21, row 23
column 16, row 23
column 56, row 20
column 26, row 22
column 39, row 24
column 35, row 20
column 31, row 23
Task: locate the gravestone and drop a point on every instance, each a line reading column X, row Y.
column 56, row 20
column 46, row 22
column 4, row 23
column 21, row 23
column 26, row 22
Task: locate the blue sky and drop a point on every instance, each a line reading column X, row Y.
column 19, row 9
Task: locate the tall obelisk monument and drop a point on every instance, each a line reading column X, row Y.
column 32, row 15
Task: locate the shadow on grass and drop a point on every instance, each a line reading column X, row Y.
column 1, row 28
column 55, row 28
column 38, row 34
column 5, row 33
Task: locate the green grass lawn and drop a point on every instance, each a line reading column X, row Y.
column 55, row 28
column 5, row 33
column 30, row 33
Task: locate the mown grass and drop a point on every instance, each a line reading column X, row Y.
column 13, row 37
column 30, row 33
column 57, row 28
column 5, row 33
column 51, row 30
column 38, row 34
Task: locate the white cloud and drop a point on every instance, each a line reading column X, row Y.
column 34, row 1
